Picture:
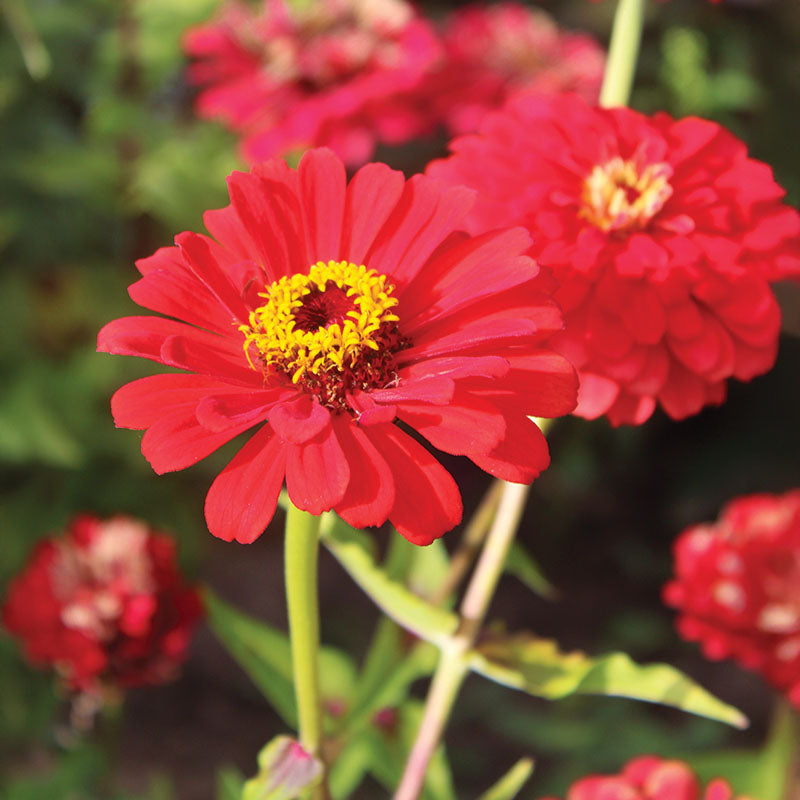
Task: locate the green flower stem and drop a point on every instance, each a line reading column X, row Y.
column 623, row 52
column 452, row 668
column 302, row 548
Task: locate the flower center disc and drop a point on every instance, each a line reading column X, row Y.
column 331, row 331
column 618, row 197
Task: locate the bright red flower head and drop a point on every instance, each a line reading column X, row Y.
column 324, row 314
column 649, row 778
column 662, row 234
column 493, row 51
column 737, row 587
column 324, row 73
column 105, row 605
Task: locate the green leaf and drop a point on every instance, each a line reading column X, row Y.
column 510, row 784
column 265, row 655
column 351, row 765
column 522, row 566
column 263, row 652
column 349, row 547
column 536, row 666
column 286, row 772
column 760, row 774
column 429, row 567
column 230, row 784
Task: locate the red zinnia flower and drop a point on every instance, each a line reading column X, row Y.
column 493, row 51
column 321, row 73
column 649, row 778
column 662, row 234
column 737, row 587
column 105, row 605
column 331, row 311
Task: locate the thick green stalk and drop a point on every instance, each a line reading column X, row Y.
column 302, row 548
column 623, row 52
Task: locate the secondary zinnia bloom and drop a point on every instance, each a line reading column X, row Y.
column 662, row 234
column 104, row 605
column 737, row 587
column 298, row 75
column 325, row 312
column 493, row 51
column 649, row 778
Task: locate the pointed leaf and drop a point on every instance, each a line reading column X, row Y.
column 537, row 666
column 510, row 784
column 522, row 566
column 349, row 547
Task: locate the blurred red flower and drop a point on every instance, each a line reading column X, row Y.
column 322, row 313
column 493, row 51
column 662, row 234
column 649, row 778
column 297, row 75
column 737, row 587
column 104, row 605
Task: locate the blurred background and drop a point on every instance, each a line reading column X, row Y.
column 102, row 161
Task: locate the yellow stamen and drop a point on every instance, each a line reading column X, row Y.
column 290, row 341
column 618, row 196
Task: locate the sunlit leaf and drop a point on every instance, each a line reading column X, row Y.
column 511, row 783
column 349, row 548
column 536, row 666
column 520, row 564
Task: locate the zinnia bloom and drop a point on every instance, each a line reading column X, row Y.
column 493, row 51
column 104, row 605
column 737, row 587
column 325, row 313
column 662, row 234
column 297, row 75
column 649, row 778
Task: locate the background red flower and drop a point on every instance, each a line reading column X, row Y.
column 105, row 605
column 649, row 778
column 325, row 313
column 325, row 73
column 662, row 234
column 737, row 587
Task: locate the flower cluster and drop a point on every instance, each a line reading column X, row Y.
column 104, row 605
column 493, row 51
column 324, row 313
column 295, row 75
column 737, row 587
column 649, row 778
column 347, row 74
column 662, row 234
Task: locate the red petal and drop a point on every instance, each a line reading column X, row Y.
column 198, row 254
column 467, row 426
column 241, row 501
column 427, row 503
column 546, row 381
column 457, row 367
column 425, row 215
column 435, row 389
column 371, row 196
column 140, row 403
column 522, row 454
column 322, row 190
column 596, row 394
column 217, row 357
column 176, row 440
column 223, row 411
column 299, row 419
column 370, row 493
column 317, row 472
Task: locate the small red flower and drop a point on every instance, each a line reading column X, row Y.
column 737, row 587
column 662, row 234
column 299, row 75
column 649, row 778
column 105, row 605
column 325, row 313
column 493, row 51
